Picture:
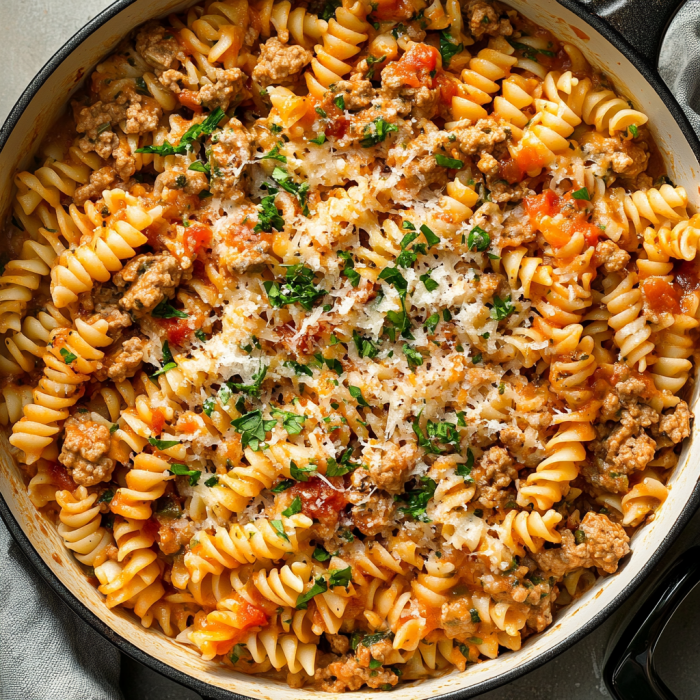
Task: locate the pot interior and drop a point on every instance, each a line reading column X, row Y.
column 43, row 107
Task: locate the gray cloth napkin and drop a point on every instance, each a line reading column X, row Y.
column 679, row 60
column 47, row 652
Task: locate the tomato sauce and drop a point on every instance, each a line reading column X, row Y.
column 188, row 99
column 661, row 296
column 157, row 420
column 393, row 10
column 415, row 67
column 177, row 329
column 61, row 478
column 319, row 501
column 196, row 237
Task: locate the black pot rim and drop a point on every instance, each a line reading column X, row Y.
column 212, row 691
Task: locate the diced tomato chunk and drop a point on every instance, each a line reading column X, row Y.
column 416, row 68
column 177, row 329
column 196, row 236
column 157, row 421
column 188, row 99
column 661, row 295
column 319, row 500
column 510, row 171
column 545, row 204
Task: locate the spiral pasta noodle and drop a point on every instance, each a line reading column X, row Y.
column 60, row 387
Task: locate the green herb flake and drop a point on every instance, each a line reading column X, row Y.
column 302, row 473
column 582, row 194
column 68, row 357
column 183, row 470
column 447, row 162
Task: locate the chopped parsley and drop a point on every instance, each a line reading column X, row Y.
column 291, row 422
column 365, row 347
column 294, row 508
column 319, row 140
column 274, row 154
column 448, row 48
column 195, row 132
column 253, row 428
column 340, row 577
column 342, row 466
column 212, row 481
column 371, row 63
column 298, row 288
column 417, row 499
column 502, row 308
column 430, row 284
column 298, row 368
column 349, row 269
column 68, row 357
column 300, row 191
column 320, row 586
column 166, row 310
column 376, row 132
column 302, row 473
column 431, row 322
column 269, row 216
column 183, row 470
column 582, row 194
column 478, row 239
column 168, row 362
column 339, row 102
column 162, row 444
column 356, row 394
column 320, row 554
column 413, row 357
column 447, row 162
column 283, row 486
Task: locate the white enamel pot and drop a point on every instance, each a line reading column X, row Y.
column 631, row 64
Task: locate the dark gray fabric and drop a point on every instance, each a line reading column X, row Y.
column 46, row 651
column 679, row 61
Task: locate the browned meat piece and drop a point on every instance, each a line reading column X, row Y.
column 374, row 515
column 482, row 136
column 84, row 453
column 626, row 449
column 340, row 644
column 95, row 122
column 455, row 619
column 417, row 158
column 111, row 313
column 228, row 156
column 280, row 63
column 189, row 181
column 173, row 533
column 126, row 361
column 677, row 423
column 142, row 115
column 389, row 466
column 625, row 157
column 151, row 278
column 484, row 18
column 356, row 92
column 100, row 180
column 611, row 256
column 347, row 674
column 514, row 439
column 540, row 616
column 603, row 544
column 517, row 228
column 158, row 46
column 492, row 475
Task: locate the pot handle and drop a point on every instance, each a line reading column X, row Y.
column 630, row 672
column 643, row 23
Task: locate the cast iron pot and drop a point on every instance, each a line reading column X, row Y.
column 621, row 37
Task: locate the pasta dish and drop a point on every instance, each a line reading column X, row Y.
column 345, row 343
